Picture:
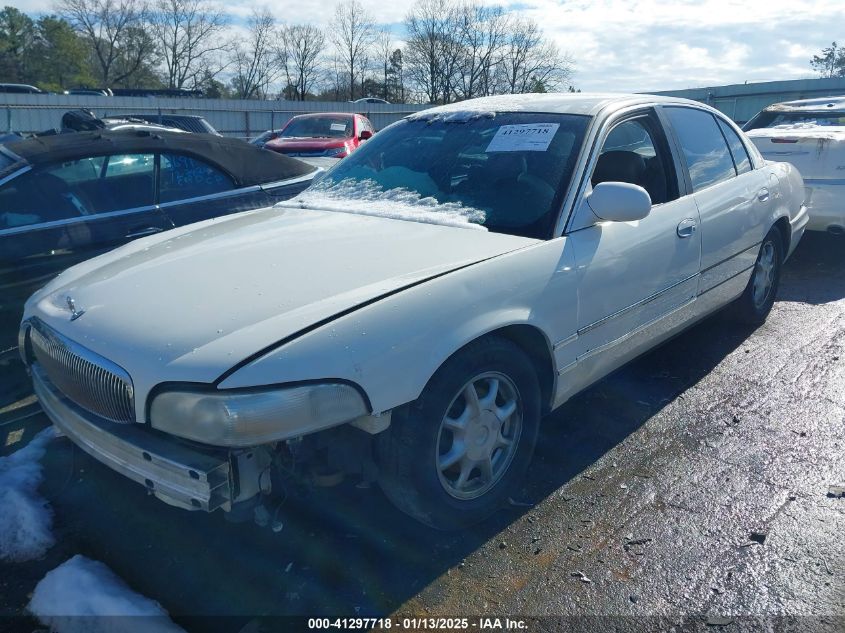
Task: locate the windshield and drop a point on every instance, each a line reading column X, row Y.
column 795, row 119
column 319, row 127
column 504, row 172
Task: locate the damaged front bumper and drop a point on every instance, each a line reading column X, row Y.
column 185, row 476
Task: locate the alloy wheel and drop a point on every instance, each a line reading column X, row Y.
column 764, row 275
column 478, row 436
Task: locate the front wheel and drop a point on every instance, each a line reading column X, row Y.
column 454, row 456
column 755, row 303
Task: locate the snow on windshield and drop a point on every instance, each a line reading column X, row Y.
column 367, row 197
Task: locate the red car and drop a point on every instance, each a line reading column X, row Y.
column 333, row 134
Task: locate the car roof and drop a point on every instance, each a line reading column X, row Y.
column 821, row 103
column 244, row 163
column 558, row 103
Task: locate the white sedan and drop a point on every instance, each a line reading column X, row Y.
column 411, row 318
column 809, row 134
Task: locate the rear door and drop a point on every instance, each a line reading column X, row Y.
column 733, row 198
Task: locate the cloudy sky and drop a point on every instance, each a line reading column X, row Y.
column 637, row 45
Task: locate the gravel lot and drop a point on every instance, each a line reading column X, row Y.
column 694, row 482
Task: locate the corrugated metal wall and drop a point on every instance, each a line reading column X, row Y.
column 743, row 101
column 244, row 119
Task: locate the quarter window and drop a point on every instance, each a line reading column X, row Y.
column 184, row 177
column 708, row 158
column 740, row 155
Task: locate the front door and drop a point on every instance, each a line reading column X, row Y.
column 63, row 214
column 632, row 275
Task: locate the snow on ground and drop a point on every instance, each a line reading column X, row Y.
column 84, row 596
column 366, row 197
column 25, row 516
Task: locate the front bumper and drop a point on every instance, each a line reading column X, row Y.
column 177, row 474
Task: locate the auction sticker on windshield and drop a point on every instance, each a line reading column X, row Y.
column 524, row 137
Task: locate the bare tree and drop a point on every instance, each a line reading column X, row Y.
column 298, row 54
column 531, row 63
column 433, row 48
column 384, row 51
column 190, row 37
column 482, row 32
column 252, row 57
column 397, row 74
column 352, row 32
column 117, row 31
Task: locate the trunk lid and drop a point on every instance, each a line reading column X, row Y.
column 817, row 151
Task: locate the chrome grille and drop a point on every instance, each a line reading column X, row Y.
column 91, row 381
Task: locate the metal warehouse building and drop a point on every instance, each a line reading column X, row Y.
column 33, row 113
column 743, row 101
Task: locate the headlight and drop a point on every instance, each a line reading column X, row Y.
column 336, row 151
column 250, row 418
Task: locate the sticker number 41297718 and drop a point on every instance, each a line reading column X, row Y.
column 525, row 137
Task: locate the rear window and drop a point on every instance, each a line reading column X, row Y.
column 795, row 119
column 319, row 127
column 184, row 177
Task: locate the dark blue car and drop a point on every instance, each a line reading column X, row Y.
column 68, row 197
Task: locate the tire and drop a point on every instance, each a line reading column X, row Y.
column 755, row 303
column 488, row 448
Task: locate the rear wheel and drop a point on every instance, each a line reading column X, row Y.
column 453, row 457
column 755, row 303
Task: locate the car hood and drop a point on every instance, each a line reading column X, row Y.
column 191, row 303
column 293, row 144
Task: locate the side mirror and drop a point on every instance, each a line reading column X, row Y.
column 365, row 134
column 619, row 202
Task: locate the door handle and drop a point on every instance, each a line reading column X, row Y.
column 687, row 228
column 144, row 232
column 763, row 194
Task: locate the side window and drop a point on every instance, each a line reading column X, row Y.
column 76, row 188
column 183, row 177
column 740, row 155
column 708, row 158
column 128, row 182
column 634, row 153
column 37, row 197
column 80, row 170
